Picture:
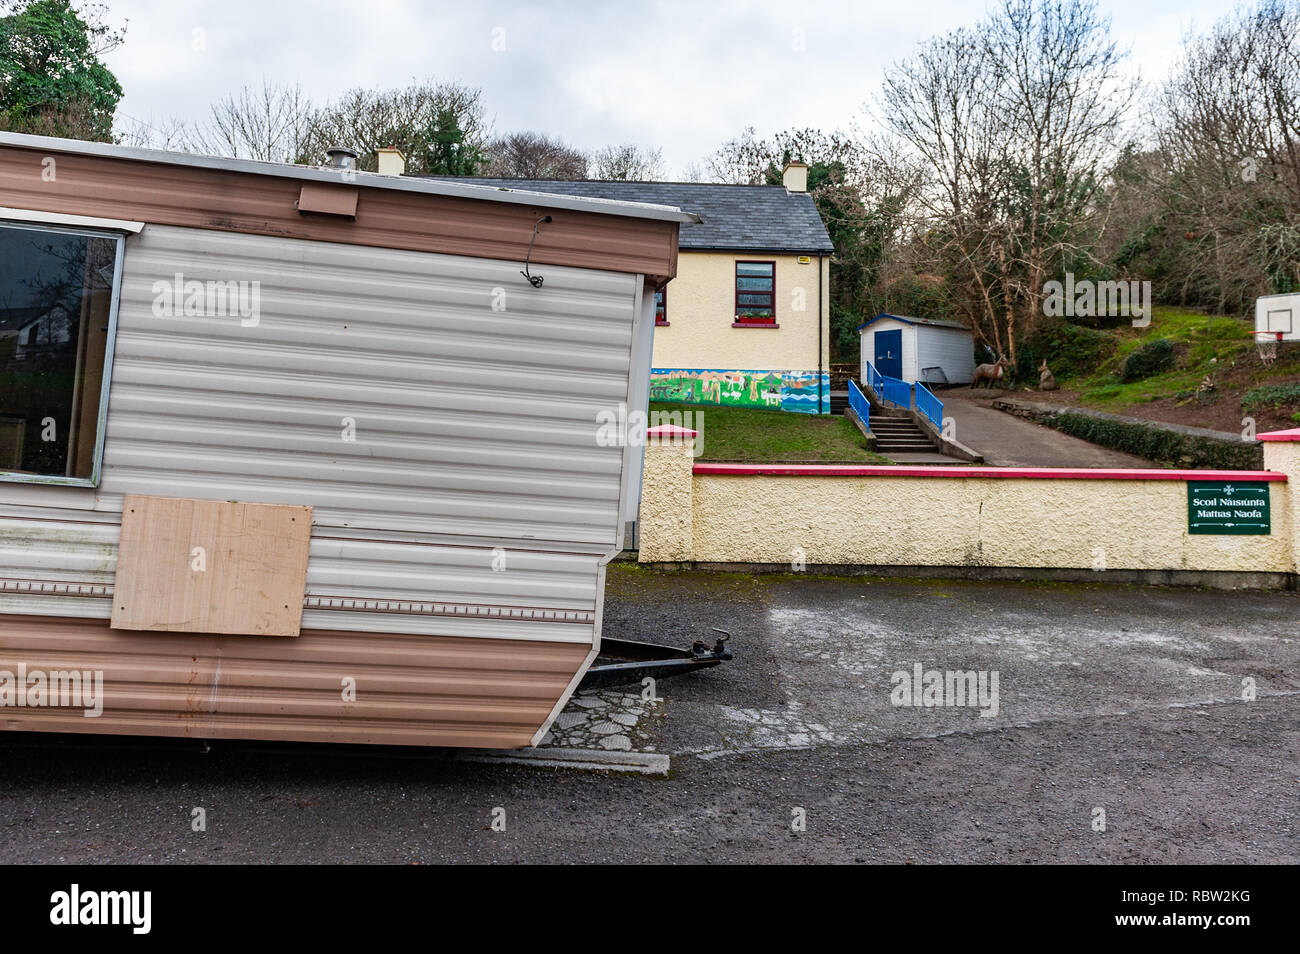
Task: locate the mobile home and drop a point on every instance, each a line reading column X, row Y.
column 308, row 453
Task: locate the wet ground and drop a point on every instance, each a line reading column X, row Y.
column 1009, row 441
column 1126, row 701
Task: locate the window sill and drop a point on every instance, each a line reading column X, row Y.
column 754, row 324
column 662, row 324
column 47, row 480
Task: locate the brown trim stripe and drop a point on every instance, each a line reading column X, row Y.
column 231, row 201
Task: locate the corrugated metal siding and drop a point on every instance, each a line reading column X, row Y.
column 475, row 440
column 468, row 420
column 946, row 348
column 475, row 433
column 410, row 690
column 63, row 563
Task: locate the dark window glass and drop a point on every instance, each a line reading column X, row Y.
column 56, row 292
column 755, row 291
column 661, row 305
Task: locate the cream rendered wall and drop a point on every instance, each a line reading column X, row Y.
column 701, row 309
column 1085, row 523
column 945, row 521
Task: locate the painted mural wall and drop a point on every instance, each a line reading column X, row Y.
column 775, row 390
column 702, row 357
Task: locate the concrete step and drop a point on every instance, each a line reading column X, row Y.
column 930, row 459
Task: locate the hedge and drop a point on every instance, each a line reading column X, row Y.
column 1160, row 444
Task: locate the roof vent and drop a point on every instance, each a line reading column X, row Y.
column 341, row 157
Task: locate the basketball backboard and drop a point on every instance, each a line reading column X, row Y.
column 1278, row 313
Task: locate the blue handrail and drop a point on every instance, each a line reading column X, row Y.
column 875, row 380
column 861, row 406
column 889, row 389
column 929, row 405
column 895, row 391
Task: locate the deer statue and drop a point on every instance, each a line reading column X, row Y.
column 1046, row 380
column 990, row 372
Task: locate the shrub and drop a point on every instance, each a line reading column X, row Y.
column 1152, row 358
column 1071, row 351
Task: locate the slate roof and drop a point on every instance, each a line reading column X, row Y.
column 742, row 218
column 934, row 322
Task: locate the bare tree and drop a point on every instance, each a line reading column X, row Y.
column 748, row 160
column 533, row 155
column 940, row 105
column 628, row 162
column 1059, row 86
column 171, row 133
column 1228, row 180
column 742, row 160
column 693, row 172
column 267, row 122
column 1015, row 125
column 413, row 119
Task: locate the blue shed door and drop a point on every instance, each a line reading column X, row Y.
column 889, row 353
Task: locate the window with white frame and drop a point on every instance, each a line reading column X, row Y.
column 58, row 301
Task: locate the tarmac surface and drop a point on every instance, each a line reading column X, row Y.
column 1115, row 699
column 1009, row 441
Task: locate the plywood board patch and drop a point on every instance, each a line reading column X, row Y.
column 208, row 566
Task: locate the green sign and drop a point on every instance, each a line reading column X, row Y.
column 1227, row 506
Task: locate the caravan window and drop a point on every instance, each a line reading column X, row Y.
column 58, row 303
column 661, row 305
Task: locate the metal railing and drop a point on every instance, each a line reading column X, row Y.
column 929, row 405
column 895, row 391
column 859, row 403
column 888, row 389
column 875, row 380
column 899, row 392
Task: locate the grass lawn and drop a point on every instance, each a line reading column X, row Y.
column 760, row 436
column 1214, row 344
column 1217, row 347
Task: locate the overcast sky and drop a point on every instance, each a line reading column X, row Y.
column 680, row 76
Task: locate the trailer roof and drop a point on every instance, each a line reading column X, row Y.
column 370, row 180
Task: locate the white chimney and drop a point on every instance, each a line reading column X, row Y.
column 391, row 162
column 795, row 177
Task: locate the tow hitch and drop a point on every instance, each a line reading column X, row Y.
column 626, row 661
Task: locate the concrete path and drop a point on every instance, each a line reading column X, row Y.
column 1009, row 441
